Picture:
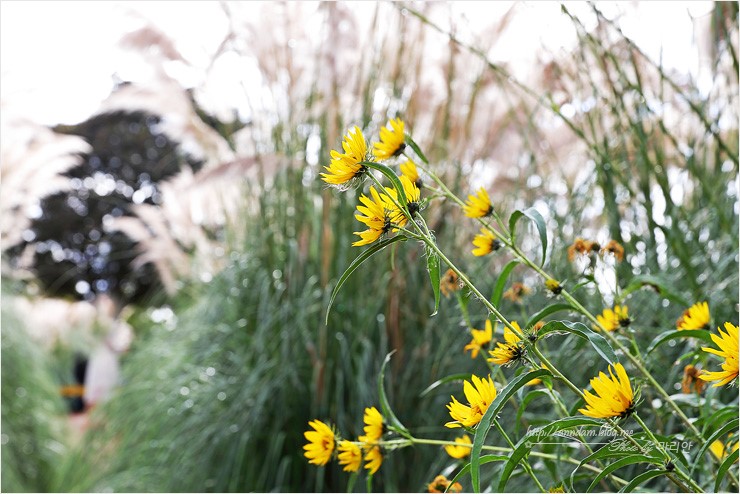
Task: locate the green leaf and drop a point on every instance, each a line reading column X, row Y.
column 731, row 426
column 535, row 393
column 445, row 380
column 384, row 405
column 525, row 444
column 656, row 282
column 537, row 219
column 483, row 460
column 724, row 467
column 604, row 452
column 597, row 341
column 433, row 270
column 641, row 479
column 481, row 430
column 678, row 333
column 390, row 175
column 498, row 289
column 416, row 149
column 364, row 256
column 622, row 462
column 550, row 309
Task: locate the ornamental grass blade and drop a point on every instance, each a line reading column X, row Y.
column 597, row 341
column 535, row 216
column 385, row 405
column 366, row 254
column 484, row 425
column 678, row 333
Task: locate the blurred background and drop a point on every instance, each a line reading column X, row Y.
column 169, row 250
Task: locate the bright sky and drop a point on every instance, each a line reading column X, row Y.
column 58, row 57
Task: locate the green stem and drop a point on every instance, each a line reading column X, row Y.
column 525, row 464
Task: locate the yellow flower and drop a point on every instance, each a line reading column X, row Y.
column 373, row 426
column 695, row 317
column 413, row 196
column 481, row 339
column 320, row 443
column 536, row 380
column 517, row 291
column 614, row 397
column 719, row 450
column 478, row 206
column 460, row 452
column 391, row 140
column 510, row 351
column 485, row 242
column 553, row 286
column 728, row 349
column 611, row 320
column 345, row 167
column 350, row 456
column 373, row 459
column 441, row 484
column 375, row 215
column 450, row 283
column 480, row 395
column 408, row 169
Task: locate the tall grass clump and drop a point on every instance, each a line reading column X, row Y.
column 32, row 437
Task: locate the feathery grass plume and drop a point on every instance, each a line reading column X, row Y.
column 728, row 349
column 614, row 397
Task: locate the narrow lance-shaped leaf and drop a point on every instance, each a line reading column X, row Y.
column 416, row 149
column 535, row 216
column 724, row 467
column 484, row 425
column 433, row 270
column 392, row 177
column 385, row 405
column 678, row 333
column 498, row 289
column 597, row 341
column 366, row 254
column 533, row 437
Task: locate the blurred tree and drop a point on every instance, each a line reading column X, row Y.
column 75, row 253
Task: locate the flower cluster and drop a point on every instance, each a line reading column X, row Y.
column 324, row 444
column 584, row 248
